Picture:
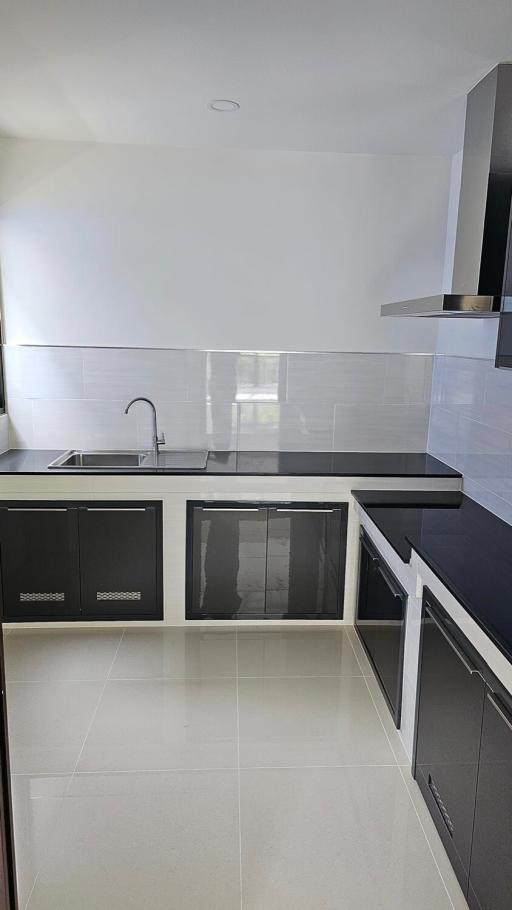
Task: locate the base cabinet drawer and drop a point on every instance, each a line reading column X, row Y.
column 76, row 560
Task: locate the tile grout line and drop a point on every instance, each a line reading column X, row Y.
column 93, row 718
column 238, row 771
column 114, row 771
column 72, row 775
column 148, row 679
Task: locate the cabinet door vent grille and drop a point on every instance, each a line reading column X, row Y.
column 36, row 597
column 440, row 805
column 118, row 595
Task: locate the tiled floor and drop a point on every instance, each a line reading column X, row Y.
column 198, row 770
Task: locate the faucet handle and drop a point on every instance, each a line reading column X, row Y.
column 161, row 439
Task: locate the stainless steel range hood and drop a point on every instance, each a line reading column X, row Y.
column 482, row 266
column 478, row 305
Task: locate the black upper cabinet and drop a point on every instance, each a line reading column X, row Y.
column 265, row 561
column 490, row 884
column 70, row 560
column 380, row 622
column 39, row 561
column 118, row 562
column 449, row 721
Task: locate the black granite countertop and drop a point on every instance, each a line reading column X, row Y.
column 304, row 464
column 465, row 545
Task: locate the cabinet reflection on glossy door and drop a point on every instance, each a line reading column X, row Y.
column 81, row 560
column 250, row 560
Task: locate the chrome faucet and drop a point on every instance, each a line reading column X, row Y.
column 157, row 440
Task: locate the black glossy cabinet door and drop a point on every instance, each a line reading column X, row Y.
column 265, row 560
column 490, row 884
column 227, row 562
column 449, row 721
column 380, row 622
column 119, row 562
column 39, row 562
column 226, row 547
column 304, row 562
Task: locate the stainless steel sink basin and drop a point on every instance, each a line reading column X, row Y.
column 78, row 459
column 130, row 460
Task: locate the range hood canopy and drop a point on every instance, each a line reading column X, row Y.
column 482, row 266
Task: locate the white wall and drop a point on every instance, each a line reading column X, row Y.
column 124, row 245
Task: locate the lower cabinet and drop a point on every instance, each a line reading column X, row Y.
column 450, row 705
column 265, row 560
column 463, row 759
column 71, row 561
column 39, row 561
column 119, row 571
column 490, row 876
column 380, row 622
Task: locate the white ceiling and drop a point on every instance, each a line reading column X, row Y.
column 345, row 75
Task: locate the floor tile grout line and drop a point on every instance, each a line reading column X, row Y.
column 207, row 770
column 93, row 718
column 142, row 679
column 409, row 796
column 72, row 774
column 238, row 774
column 308, row 676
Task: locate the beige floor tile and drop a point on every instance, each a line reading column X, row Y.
column 162, row 724
column 317, row 721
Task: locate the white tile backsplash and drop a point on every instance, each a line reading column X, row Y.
column 306, row 426
column 21, row 426
column 185, row 424
column 73, row 397
column 471, row 427
column 381, row 428
column 95, row 424
column 44, row 372
column 120, row 374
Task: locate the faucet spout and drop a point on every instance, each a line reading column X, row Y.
column 157, row 440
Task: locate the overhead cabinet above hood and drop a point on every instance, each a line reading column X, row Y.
column 482, row 267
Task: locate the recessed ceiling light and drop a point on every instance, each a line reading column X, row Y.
column 222, row 104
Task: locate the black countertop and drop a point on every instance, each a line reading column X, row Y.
column 465, row 545
column 304, row 464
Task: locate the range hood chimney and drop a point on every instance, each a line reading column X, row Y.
column 482, row 267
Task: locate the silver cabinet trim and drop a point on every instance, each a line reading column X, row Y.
column 500, row 709
column 470, row 667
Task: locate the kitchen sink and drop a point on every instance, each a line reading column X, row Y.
column 76, row 459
